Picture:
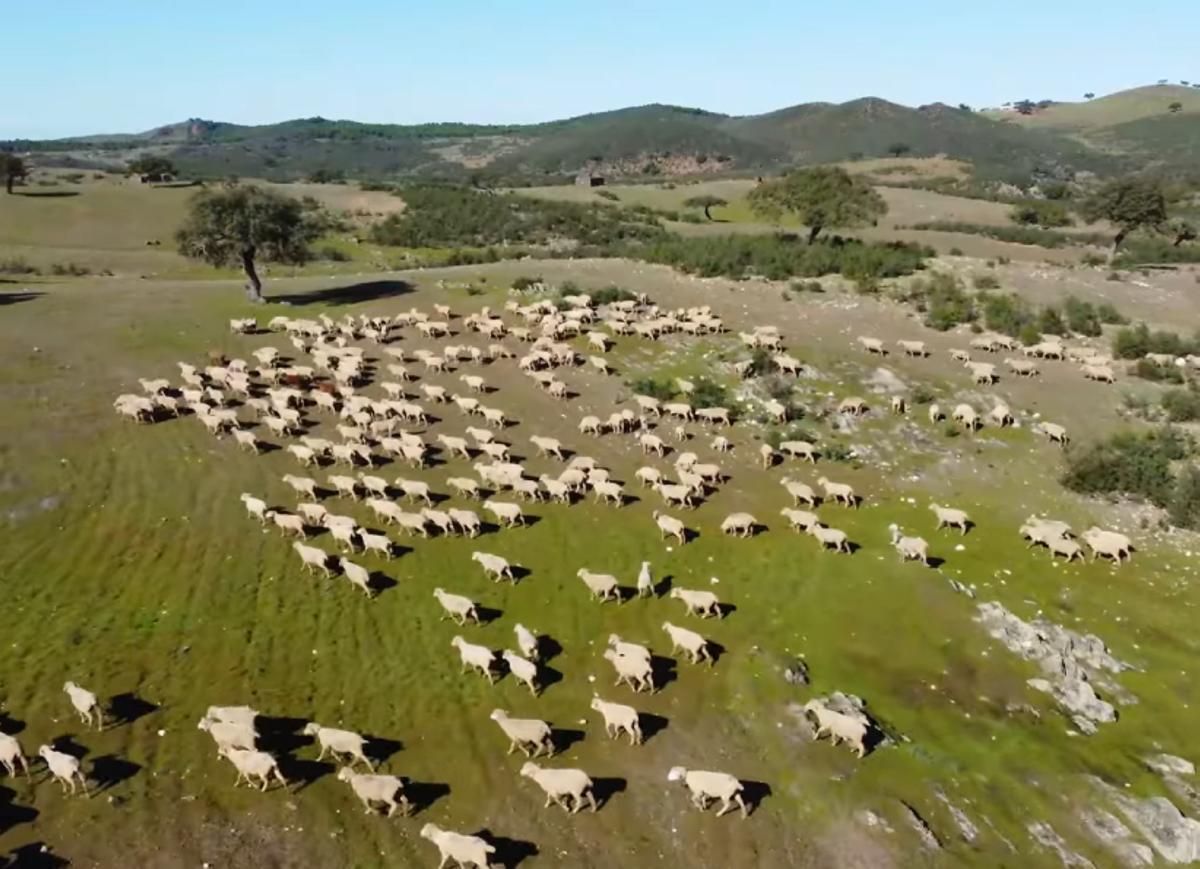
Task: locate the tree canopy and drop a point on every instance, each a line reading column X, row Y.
column 12, row 167
column 707, row 201
column 1129, row 204
column 240, row 225
column 151, row 165
column 820, row 197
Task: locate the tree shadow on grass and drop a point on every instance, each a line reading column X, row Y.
column 128, row 707
column 35, row 855
column 353, row 294
column 11, row 814
column 46, row 194
column 108, row 771
column 510, row 853
column 422, row 795
column 14, row 298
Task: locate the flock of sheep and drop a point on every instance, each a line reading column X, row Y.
column 288, row 398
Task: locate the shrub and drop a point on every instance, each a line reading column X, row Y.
column 1094, row 259
column 1184, row 508
column 708, row 393
column 473, row 290
column 609, row 195
column 69, row 269
column 660, row 389
column 611, row 294
column 1128, row 464
column 16, row 266
column 333, row 254
column 1181, row 405
column 807, row 287
column 945, row 302
column 836, row 451
column 1007, row 314
column 1040, row 213
column 1135, row 342
column 956, row 251
column 986, row 282
column 760, row 363
column 1109, row 315
column 525, row 282
column 1050, row 322
column 1082, row 317
column 922, row 394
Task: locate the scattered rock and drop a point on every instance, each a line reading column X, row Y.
column 884, row 381
column 796, row 673
column 873, row 821
column 968, row 830
column 1169, row 764
column 1176, row 838
column 1117, row 838
column 928, row 838
column 1045, row 835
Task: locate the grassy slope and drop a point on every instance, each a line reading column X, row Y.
column 1122, row 107
column 133, row 569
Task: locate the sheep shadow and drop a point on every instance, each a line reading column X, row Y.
column 379, row 582
column 422, row 795
column 604, row 789
column 564, row 738
column 935, row 562
column 15, row 298
column 664, row 671
column 278, row 735
column 380, row 748
column 11, row 814
column 510, row 853
column 548, row 648
column 128, row 707
column 67, row 745
column 725, row 609
column 108, row 771
column 35, row 855
column 300, row 772
column 11, row 726
column 547, row 677
column 753, row 794
column 663, row 587
column 715, row 650
column 519, row 573
column 651, row 725
column 487, row 615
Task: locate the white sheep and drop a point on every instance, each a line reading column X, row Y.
column 706, row 786
column 799, row 492
column 243, row 715
column 465, row 851
column 635, row 672
column 691, row 642
column 839, row 726
column 504, row 511
column 357, row 575
column 229, row 734
column 339, row 742
column 373, row 542
column 494, row 566
column 830, row 537
column 1108, row 544
column 602, row 585
column 909, row 548
column 464, row 486
column 64, row 767
column 618, row 719
column 413, row 489
column 302, row 485
column 313, row 558
column 800, row 520
column 11, row 755
column 645, row 585
column 251, row 764
column 86, row 704
column 254, row 506
column 799, row 449
column 872, row 345
column 525, row 733
column 476, row 657
column 527, row 642
column 456, row 606
column 386, row 789
column 466, row 520
column 1055, row 432
column 669, row 526
column 843, row 493
column 950, row 518
column 698, row 603
column 741, row 524
column 569, row 788
column 524, row 670
column 289, row 523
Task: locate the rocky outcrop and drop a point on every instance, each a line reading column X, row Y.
column 1045, row 835
column 1117, row 838
column 1070, row 661
column 928, row 838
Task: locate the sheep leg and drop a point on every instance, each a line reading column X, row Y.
column 591, row 798
column 321, row 755
column 726, row 805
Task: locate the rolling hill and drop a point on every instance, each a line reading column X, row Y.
column 1105, row 135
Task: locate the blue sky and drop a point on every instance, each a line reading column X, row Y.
column 128, row 65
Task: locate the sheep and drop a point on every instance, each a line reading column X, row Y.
column 652, row 443
column 898, row 405
column 466, row 520
column 800, row 520
column 1107, row 544
column 254, row 764
column 983, row 372
column 374, row 485
column 741, row 524
column 456, row 606
column 1021, row 367
column 909, row 548
column 853, row 405
column 1055, row 432
column 493, row 565
column 872, row 345
column 289, row 523
column 609, row 491
column 547, row 446
column 618, row 719
column 569, row 788
column 648, row 476
column 465, row 486
column 494, row 416
column 799, row 449
column 313, row 558
column 842, row 493
column 254, row 506
column 528, row 642
column 229, row 734
column 372, row 542
column 465, row 851
column 1042, row 531
column 706, row 786
column 243, row 715
column 839, row 726
column 414, row 489
column 777, row 410
column 64, row 768
column 645, row 585
column 635, row 672
column 669, row 526
column 602, row 585
column 357, row 575
column 440, row 520
column 345, row 533
column 86, row 704
column 700, row 603
column 1001, row 415
column 476, row 657
column 11, row 755
column 715, row 415
column 830, row 537
column 344, row 485
column 913, row 348
column 690, row 641
column 508, row 513
column 371, row 788
column 1065, row 547
column 935, row 414
column 522, row 669
column 679, row 496
column 525, row 733
column 629, row 650
column 339, row 742
column 966, row 416
column 950, row 518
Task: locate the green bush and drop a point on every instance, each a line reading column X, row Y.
column 1135, row 342
column 1094, row 259
column 609, row 195
column 943, row 300
column 1007, row 314
column 16, row 266
column 333, row 254
column 708, row 393
column 1040, row 213
column 1184, row 508
column 986, row 282
column 73, row 270
column 922, row 394
column 807, row 287
column 1181, row 405
column 1128, row 464
column 524, row 282
column 1152, row 371
column 1109, row 315
column 1032, row 235
column 661, row 389
column 611, row 294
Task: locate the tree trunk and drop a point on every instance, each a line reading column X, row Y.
column 8, row 183
column 254, row 287
column 1117, row 241
column 707, row 215
column 813, row 232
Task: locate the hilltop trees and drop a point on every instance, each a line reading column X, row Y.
column 706, row 202
column 12, row 167
column 820, row 197
column 898, row 149
column 1128, row 203
column 1089, row 95
column 151, row 166
column 239, row 226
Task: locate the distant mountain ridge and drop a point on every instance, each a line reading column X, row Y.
column 656, row 139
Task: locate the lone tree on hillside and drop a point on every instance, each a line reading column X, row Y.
column 1175, row 107
column 819, row 197
column 240, row 225
column 151, row 166
column 1128, row 203
column 706, row 202
column 12, row 167
column 898, row 149
column 1088, row 96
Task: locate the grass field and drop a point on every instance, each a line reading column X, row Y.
column 132, row 569
column 1122, row 107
